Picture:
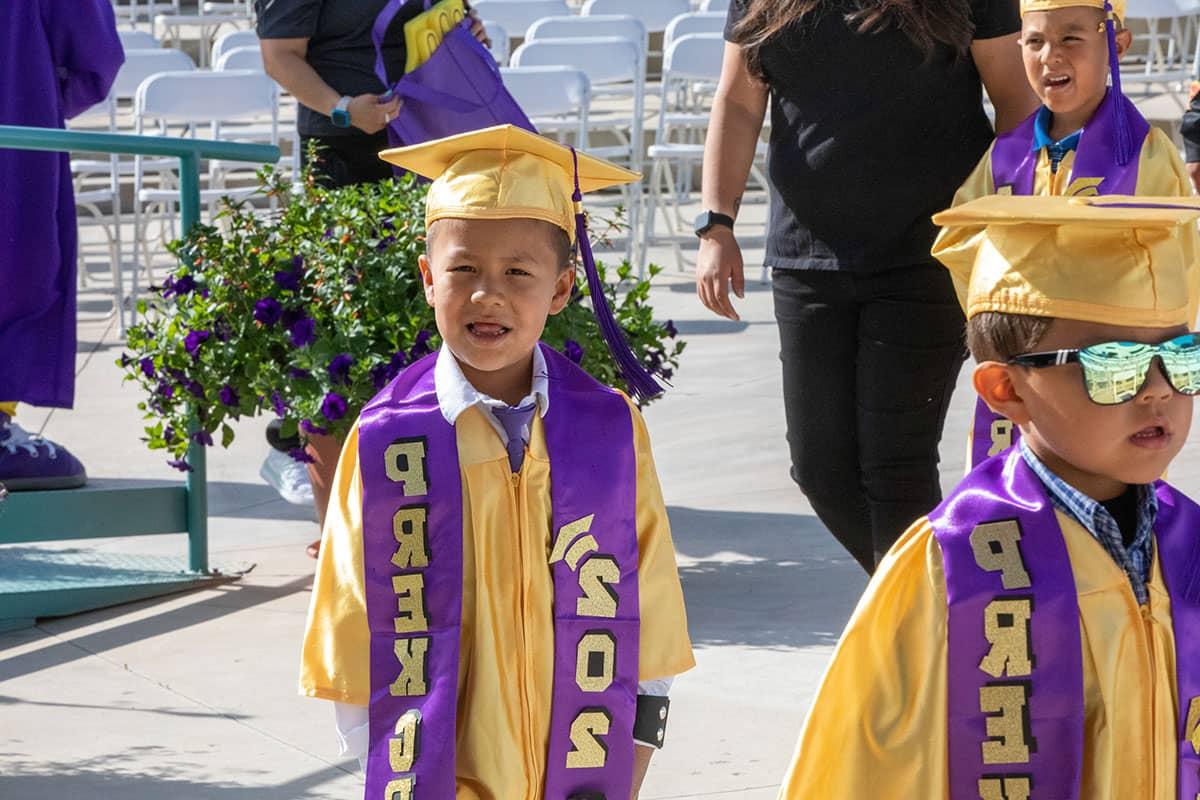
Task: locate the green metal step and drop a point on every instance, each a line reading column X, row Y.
column 38, row 582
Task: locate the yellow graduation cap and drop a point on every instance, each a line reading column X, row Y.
column 1110, row 259
column 1118, row 6
column 505, row 172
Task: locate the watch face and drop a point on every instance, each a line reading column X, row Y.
column 340, row 117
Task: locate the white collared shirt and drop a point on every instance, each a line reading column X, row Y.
column 455, row 393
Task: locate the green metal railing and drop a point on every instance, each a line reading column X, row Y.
column 104, row 509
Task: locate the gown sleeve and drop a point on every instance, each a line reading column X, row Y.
column 86, row 50
column 877, row 727
column 336, row 649
column 664, row 649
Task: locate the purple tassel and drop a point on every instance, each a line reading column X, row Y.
column 640, row 381
column 1120, row 120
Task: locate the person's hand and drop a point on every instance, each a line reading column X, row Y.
column 1193, row 168
column 371, row 113
column 719, row 268
column 477, row 29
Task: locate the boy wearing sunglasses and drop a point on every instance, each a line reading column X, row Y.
column 1036, row 636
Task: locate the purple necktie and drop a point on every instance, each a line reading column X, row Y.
column 513, row 420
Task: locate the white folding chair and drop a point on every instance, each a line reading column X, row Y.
column 515, row 16
column 241, row 58
column 693, row 60
column 98, row 180
column 214, row 103
column 693, row 22
column 138, row 40
column 610, row 63
column 555, row 99
column 232, row 41
column 715, row 5
column 1166, row 50
column 654, row 14
column 134, row 10
column 570, row 26
column 498, row 35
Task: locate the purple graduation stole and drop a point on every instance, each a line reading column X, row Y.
column 1014, row 163
column 1014, row 662
column 413, row 570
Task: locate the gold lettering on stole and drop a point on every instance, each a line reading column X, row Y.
column 586, row 730
column 1006, row 627
column 1004, row 787
column 414, row 678
column 1001, row 436
column 410, row 602
column 1084, row 187
column 410, row 527
column 567, row 548
column 595, row 579
column 400, row 788
column 996, row 550
column 405, row 746
column 1007, row 724
column 1193, row 724
column 595, row 660
column 410, row 452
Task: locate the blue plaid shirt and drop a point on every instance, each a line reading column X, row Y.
column 1041, row 138
column 1135, row 559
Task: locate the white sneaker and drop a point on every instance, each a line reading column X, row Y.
column 287, row 476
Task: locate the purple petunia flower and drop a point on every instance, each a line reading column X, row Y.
column 166, row 390
column 339, row 368
column 192, row 342
column 379, row 376
column 420, row 345
column 303, row 331
column 268, row 311
column 180, row 464
column 307, row 426
column 228, row 396
column 670, row 329
column 301, row 455
column 194, row 388
column 666, row 373
column 289, row 280
column 298, row 374
column 203, row 438
column 385, row 243
column 573, row 350
column 147, row 365
column 333, row 407
column 185, row 284
column 278, row 404
column 168, row 434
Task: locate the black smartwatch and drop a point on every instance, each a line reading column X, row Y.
column 708, row 219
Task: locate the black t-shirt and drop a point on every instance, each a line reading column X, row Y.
column 339, row 47
column 867, row 139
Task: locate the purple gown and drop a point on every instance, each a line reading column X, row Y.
column 57, row 59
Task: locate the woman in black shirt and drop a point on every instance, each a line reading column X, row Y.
column 876, row 118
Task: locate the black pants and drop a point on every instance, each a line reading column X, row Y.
column 869, row 365
column 347, row 160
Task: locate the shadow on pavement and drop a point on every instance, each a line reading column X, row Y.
column 763, row 580
column 101, row 779
column 64, row 648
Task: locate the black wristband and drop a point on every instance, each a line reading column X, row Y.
column 650, row 723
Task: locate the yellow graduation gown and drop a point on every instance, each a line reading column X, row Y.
column 507, row 653
column 877, row 728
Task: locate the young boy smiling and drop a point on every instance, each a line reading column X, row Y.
column 487, row 632
column 1033, row 637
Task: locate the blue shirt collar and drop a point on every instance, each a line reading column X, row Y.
column 1041, row 134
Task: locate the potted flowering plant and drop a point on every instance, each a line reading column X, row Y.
column 307, row 312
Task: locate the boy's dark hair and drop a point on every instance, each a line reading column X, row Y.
column 564, row 253
column 994, row 336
